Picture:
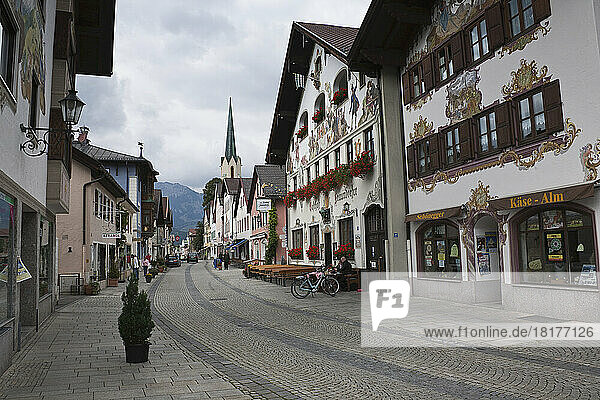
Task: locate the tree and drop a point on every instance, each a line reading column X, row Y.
column 208, row 193
column 272, row 244
column 198, row 241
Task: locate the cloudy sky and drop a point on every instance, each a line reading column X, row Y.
column 176, row 64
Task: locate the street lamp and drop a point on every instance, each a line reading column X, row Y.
column 71, row 107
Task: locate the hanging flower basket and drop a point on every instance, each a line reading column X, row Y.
column 295, row 254
column 345, row 250
column 302, row 131
column 332, row 180
column 319, row 115
column 313, row 253
column 340, row 96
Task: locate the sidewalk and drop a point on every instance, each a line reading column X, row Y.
column 78, row 354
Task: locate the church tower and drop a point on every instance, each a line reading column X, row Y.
column 231, row 164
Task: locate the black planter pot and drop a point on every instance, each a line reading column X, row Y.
column 137, row 353
column 148, row 278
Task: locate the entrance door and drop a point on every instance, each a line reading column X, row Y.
column 375, row 223
column 488, row 286
column 101, row 262
column 328, row 253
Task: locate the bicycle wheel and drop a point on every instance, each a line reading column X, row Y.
column 330, row 285
column 300, row 288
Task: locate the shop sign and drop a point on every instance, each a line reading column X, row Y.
column 545, row 197
column 263, row 205
column 111, row 235
column 348, row 193
column 433, row 215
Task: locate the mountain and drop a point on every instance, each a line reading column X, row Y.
column 186, row 205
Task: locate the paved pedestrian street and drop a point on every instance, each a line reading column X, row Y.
column 219, row 335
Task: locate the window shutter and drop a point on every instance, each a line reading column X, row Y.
column 495, row 29
column 541, row 10
column 434, row 153
column 428, row 72
column 553, row 108
column 410, row 161
column 458, row 53
column 468, row 55
column 436, row 66
column 464, row 136
column 406, row 88
column 503, row 127
column 441, row 139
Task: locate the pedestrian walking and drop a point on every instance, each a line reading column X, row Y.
column 146, row 264
column 226, row 261
column 136, row 267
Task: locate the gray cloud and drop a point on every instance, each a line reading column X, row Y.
column 176, row 65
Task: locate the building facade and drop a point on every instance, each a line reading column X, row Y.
column 326, row 132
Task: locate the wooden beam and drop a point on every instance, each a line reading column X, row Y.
column 409, row 14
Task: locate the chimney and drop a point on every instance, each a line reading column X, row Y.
column 141, row 144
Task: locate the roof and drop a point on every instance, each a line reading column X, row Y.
column 99, row 172
column 232, row 185
column 103, row 155
column 335, row 37
column 230, row 140
column 247, row 184
column 272, row 178
column 304, row 36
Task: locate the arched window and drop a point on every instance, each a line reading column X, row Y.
column 438, row 250
column 231, row 169
column 340, row 87
column 319, row 114
column 555, row 246
column 303, row 125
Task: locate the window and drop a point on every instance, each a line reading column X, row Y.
column 33, row 109
column 369, row 144
column 346, row 231
column 7, row 47
column 7, row 212
column 317, row 169
column 520, row 13
column 314, row 235
column 319, row 109
column 445, row 65
column 439, row 256
column 307, row 175
column 297, row 239
column 97, row 203
column 427, row 155
column 349, row 156
column 362, row 80
column 452, row 146
column 557, row 247
column 540, row 112
column 295, row 183
column 488, row 137
column 418, row 85
column 112, row 211
column 479, row 40
column 326, row 162
column 46, row 257
column 336, row 157
column 418, row 80
column 340, row 85
column 303, row 123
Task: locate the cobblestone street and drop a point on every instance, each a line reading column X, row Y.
column 219, row 335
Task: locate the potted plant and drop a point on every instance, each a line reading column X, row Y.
column 148, row 278
column 113, row 275
column 94, row 288
column 135, row 323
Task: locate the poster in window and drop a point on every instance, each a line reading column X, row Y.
column 428, row 261
column 553, row 219
column 588, row 275
column 481, row 243
column 441, row 256
column 441, row 246
column 491, row 242
column 454, row 250
column 574, row 221
column 483, row 263
column 535, row 265
column 428, row 248
column 555, row 246
column 533, row 223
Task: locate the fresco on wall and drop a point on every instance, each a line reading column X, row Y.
column 354, row 106
column 31, row 49
column 421, row 128
column 463, row 96
column 450, row 16
column 525, row 78
column 524, row 40
column 370, row 106
column 316, row 72
column 589, row 156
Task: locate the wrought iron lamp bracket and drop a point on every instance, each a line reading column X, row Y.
column 36, row 144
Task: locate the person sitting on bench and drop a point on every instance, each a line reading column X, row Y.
column 344, row 268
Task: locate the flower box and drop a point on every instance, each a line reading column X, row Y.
column 340, row 96
column 318, row 116
column 313, row 253
column 302, row 132
column 295, row 254
column 345, row 250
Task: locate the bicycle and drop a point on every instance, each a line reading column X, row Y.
column 309, row 283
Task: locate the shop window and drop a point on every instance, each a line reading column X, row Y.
column 349, row 155
column 7, row 47
column 440, row 251
column 540, row 112
column 46, row 257
column 346, row 232
column 314, row 235
column 557, row 247
column 297, row 239
column 7, row 220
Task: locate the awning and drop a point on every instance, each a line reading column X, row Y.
column 433, row 215
column 560, row 195
column 239, row 243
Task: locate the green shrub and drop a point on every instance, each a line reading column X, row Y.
column 135, row 321
column 113, row 272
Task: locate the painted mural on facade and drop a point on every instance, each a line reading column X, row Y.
column 450, row 16
column 463, row 96
column 31, row 49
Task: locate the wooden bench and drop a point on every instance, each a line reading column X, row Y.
column 291, row 272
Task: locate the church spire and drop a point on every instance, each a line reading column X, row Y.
column 230, row 141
